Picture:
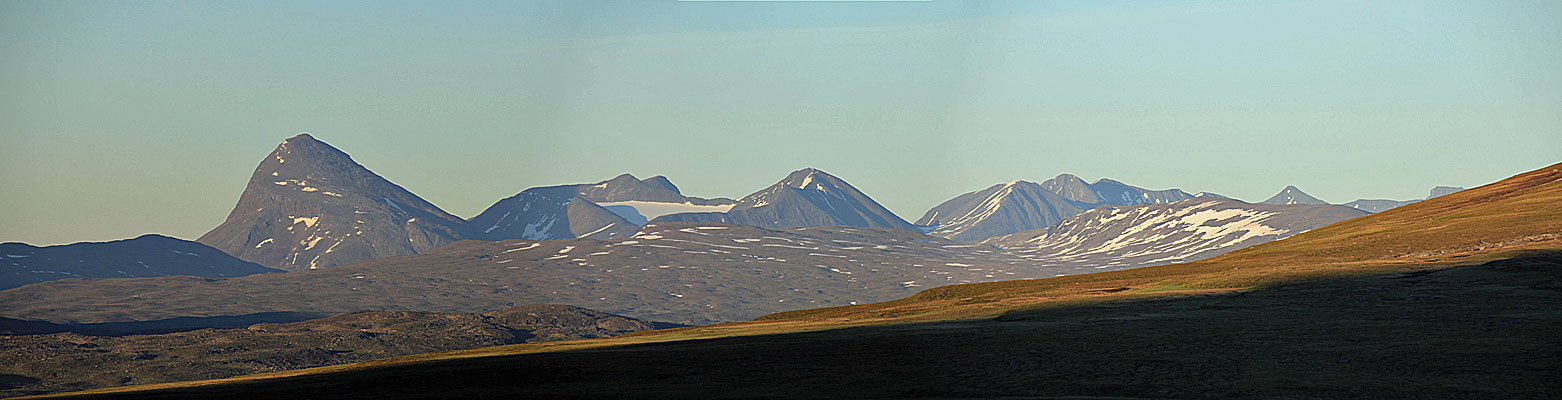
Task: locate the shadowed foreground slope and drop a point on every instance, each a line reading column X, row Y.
column 1454, row 297
column 44, row 363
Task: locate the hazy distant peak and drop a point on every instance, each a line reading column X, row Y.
column 1293, row 195
column 1442, row 190
column 663, row 182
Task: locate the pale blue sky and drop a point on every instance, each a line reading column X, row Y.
column 129, row 117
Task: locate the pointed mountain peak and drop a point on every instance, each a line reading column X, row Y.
column 309, row 205
column 1068, row 178
column 804, row 178
column 1293, row 195
column 662, row 182
column 1072, row 188
column 806, row 197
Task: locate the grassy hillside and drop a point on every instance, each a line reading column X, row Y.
column 1453, row 297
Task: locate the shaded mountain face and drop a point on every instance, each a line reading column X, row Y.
column 609, row 209
column 144, row 256
column 1292, row 195
column 1020, row 205
column 1377, row 205
column 676, row 272
column 805, row 198
column 309, row 205
column 1155, row 234
column 56, row 359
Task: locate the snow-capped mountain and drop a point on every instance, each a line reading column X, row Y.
column 1021, row 205
column 143, row 256
column 309, row 205
column 1154, row 234
column 806, row 197
column 1292, row 195
column 608, row 209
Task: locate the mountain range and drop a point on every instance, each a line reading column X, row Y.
column 1452, row 297
column 1021, row 205
column 323, row 210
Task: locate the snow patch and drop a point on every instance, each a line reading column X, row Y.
column 528, row 247
column 649, row 210
column 309, row 222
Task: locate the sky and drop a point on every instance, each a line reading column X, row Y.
column 119, row 118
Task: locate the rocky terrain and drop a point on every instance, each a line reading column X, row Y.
column 43, row 363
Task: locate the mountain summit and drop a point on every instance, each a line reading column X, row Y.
column 806, row 197
column 309, row 205
column 1292, row 195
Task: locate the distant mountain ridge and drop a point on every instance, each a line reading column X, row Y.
column 1020, row 205
column 309, row 205
column 805, row 198
column 143, row 256
column 1380, row 205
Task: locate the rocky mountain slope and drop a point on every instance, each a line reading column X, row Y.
column 805, row 198
column 309, row 205
column 144, row 256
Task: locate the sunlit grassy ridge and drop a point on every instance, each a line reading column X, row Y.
column 1451, row 297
